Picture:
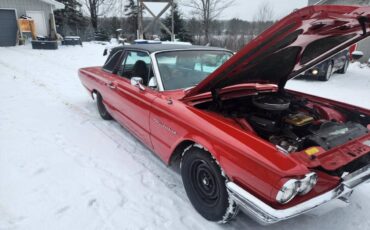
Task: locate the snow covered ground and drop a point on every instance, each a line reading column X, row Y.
column 352, row 88
column 62, row 167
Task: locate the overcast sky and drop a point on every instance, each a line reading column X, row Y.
column 246, row 9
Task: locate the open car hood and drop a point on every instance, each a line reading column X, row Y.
column 291, row 46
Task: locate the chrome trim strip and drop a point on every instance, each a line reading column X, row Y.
column 193, row 49
column 265, row 214
column 358, row 177
column 156, row 72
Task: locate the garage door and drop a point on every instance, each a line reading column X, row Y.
column 8, row 27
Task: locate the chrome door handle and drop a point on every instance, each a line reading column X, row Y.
column 111, row 85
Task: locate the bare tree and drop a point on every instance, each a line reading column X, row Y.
column 98, row 8
column 207, row 11
column 263, row 18
column 265, row 12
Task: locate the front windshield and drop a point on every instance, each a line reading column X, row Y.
column 184, row 69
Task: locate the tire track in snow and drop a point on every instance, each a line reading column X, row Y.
column 124, row 140
column 120, row 140
column 118, row 135
column 41, row 56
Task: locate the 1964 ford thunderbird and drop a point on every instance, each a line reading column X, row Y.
column 241, row 140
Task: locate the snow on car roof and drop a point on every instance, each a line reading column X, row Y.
column 151, row 48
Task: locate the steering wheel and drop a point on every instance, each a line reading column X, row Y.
column 165, row 72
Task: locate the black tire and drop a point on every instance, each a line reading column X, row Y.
column 328, row 73
column 101, row 108
column 345, row 67
column 206, row 186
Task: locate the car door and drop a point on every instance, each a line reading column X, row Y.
column 106, row 81
column 133, row 103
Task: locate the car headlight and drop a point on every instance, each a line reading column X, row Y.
column 307, row 183
column 294, row 187
column 315, row 72
column 288, row 191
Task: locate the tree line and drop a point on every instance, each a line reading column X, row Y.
column 202, row 28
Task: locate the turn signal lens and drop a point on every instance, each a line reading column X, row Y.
column 288, row 191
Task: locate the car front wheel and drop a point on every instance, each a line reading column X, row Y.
column 205, row 186
column 101, row 108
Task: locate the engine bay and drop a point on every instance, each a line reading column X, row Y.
column 293, row 123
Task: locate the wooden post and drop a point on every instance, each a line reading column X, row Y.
column 20, row 29
column 33, row 29
column 173, row 22
column 140, row 34
column 53, row 30
column 156, row 18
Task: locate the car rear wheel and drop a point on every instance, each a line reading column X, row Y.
column 328, row 73
column 101, row 108
column 345, row 67
column 205, row 186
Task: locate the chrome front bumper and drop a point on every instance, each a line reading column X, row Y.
column 265, row 214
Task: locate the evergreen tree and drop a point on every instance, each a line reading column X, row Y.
column 114, row 25
column 70, row 20
column 180, row 31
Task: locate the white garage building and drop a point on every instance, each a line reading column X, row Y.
column 41, row 11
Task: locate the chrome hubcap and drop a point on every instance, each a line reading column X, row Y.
column 329, row 73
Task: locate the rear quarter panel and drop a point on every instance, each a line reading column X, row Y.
column 95, row 78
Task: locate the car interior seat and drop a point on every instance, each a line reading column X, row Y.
column 140, row 69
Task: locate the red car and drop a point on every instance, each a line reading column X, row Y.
column 241, row 140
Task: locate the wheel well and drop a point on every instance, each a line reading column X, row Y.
column 175, row 158
column 328, row 62
column 94, row 92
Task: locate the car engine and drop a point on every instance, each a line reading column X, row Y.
column 291, row 123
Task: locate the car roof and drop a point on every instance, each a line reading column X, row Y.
column 151, row 48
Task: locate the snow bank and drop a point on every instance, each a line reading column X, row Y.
column 352, row 88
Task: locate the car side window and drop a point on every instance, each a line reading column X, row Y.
column 137, row 64
column 112, row 61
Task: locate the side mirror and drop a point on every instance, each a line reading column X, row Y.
column 138, row 82
column 153, row 82
column 357, row 55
